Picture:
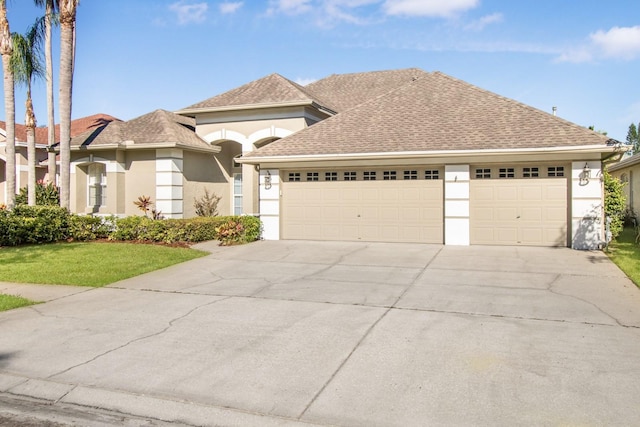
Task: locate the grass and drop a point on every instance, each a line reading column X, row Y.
column 8, row 302
column 625, row 253
column 92, row 264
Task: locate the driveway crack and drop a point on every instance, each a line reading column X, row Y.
column 171, row 322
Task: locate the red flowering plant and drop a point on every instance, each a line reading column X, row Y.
column 231, row 232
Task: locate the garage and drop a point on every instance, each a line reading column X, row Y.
column 519, row 207
column 364, row 205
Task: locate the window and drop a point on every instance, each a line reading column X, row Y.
column 410, row 174
column 369, row 175
column 312, row 176
column 483, row 173
column 331, row 176
column 294, row 176
column 237, row 194
column 389, row 175
column 97, row 185
column 506, row 173
column 349, row 176
column 624, row 178
column 556, row 171
column 432, row 174
column 530, row 172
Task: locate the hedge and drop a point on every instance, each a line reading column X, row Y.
column 44, row 224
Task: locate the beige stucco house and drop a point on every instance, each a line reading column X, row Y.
column 393, row 156
column 628, row 172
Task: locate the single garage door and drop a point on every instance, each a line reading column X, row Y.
column 374, row 211
column 519, row 212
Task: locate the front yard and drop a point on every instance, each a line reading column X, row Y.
column 625, row 253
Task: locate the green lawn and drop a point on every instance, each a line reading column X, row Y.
column 625, row 252
column 8, row 302
column 86, row 264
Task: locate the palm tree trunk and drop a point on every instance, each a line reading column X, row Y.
column 6, row 49
column 67, row 25
column 51, row 123
column 30, row 124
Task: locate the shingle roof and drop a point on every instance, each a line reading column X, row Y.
column 345, row 91
column 157, row 127
column 271, row 89
column 78, row 126
column 433, row 113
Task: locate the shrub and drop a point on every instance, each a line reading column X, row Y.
column 241, row 229
column 207, row 205
column 46, row 195
column 86, row 227
column 614, row 203
column 33, row 224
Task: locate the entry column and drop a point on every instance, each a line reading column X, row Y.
column 456, row 205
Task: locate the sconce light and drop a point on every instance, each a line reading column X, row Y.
column 267, row 181
column 585, row 175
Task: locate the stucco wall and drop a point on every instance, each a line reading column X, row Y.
column 630, row 175
column 203, row 171
column 140, row 178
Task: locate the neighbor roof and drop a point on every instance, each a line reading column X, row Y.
column 78, row 126
column 435, row 112
column 628, row 162
column 345, row 91
column 158, row 128
column 269, row 90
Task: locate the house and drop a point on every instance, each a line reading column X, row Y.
column 391, row 156
column 41, row 136
column 628, row 172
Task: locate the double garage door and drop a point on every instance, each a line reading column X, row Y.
column 502, row 211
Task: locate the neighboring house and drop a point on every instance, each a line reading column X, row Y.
column 41, row 135
column 628, row 171
column 392, row 156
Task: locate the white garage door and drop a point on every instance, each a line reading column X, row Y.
column 375, row 211
column 519, row 212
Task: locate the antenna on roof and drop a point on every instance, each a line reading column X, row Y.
column 554, row 109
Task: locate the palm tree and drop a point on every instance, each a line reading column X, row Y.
column 6, row 50
column 67, row 53
column 51, row 19
column 26, row 64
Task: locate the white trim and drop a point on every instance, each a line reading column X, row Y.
column 169, row 182
column 587, row 230
column 270, row 203
column 582, row 149
column 456, row 205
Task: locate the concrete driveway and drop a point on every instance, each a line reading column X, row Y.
column 289, row 332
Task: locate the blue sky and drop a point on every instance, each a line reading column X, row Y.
column 134, row 56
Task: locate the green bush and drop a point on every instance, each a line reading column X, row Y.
column 46, row 195
column 84, row 228
column 614, row 203
column 242, row 229
column 33, row 224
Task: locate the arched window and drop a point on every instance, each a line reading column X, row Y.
column 624, row 178
column 97, row 185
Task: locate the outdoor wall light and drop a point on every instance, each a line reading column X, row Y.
column 267, row 181
column 586, row 171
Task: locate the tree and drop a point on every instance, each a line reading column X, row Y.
column 26, row 64
column 614, row 203
column 67, row 53
column 6, row 50
column 50, row 19
column 633, row 138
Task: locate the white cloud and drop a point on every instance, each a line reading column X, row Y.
column 289, row 7
column 481, row 23
column 432, row 8
column 303, row 81
column 230, row 7
column 617, row 43
column 189, row 12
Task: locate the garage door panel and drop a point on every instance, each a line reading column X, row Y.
column 519, row 212
column 388, row 211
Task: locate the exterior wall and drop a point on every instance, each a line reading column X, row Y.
column 456, row 205
column 586, row 206
column 203, row 171
column 630, row 176
column 270, row 203
column 115, row 172
column 140, row 166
